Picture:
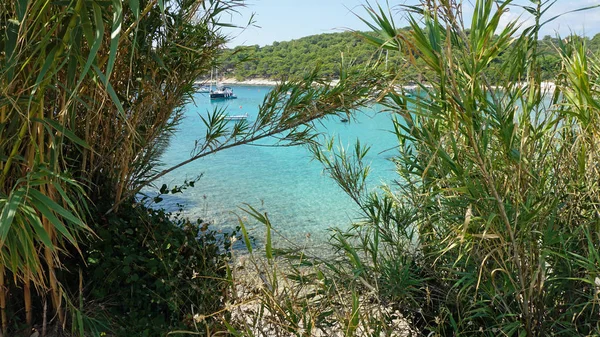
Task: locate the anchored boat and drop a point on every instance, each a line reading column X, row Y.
column 235, row 117
column 222, row 93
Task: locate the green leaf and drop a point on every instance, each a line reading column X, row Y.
column 47, row 207
column 86, row 26
column 97, row 43
column 134, row 5
column 62, row 129
column 65, row 197
column 269, row 243
column 9, row 211
column 21, row 9
column 49, row 62
column 581, row 9
column 35, row 222
column 114, row 36
column 245, row 235
column 10, row 44
column 113, row 95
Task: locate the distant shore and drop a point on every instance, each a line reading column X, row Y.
column 545, row 86
column 257, row 81
column 254, row 81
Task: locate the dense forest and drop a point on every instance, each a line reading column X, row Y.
column 291, row 59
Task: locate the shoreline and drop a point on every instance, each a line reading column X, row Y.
column 258, row 82
column 251, row 82
column 545, row 85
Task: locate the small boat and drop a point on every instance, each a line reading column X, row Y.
column 235, row 117
column 222, row 93
column 204, row 89
column 344, row 120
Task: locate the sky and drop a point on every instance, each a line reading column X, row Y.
column 284, row 20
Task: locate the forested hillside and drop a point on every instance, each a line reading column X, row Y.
column 290, row 59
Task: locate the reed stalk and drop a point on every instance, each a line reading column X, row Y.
column 27, row 299
column 44, row 316
column 54, row 287
column 3, row 291
column 13, row 153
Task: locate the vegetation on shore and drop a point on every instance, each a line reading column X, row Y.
column 90, row 93
column 291, row 59
column 491, row 227
column 87, row 102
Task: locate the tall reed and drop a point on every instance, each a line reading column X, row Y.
column 89, row 93
column 491, row 227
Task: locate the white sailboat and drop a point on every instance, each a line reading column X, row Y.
column 220, row 91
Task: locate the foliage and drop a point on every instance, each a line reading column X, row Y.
column 153, row 271
column 288, row 293
column 291, row 59
column 91, row 91
column 167, row 46
column 41, row 209
column 287, row 115
column 88, row 98
column 491, row 227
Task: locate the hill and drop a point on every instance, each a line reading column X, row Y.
column 290, row 59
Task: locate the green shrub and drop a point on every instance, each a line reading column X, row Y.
column 155, row 270
column 492, row 226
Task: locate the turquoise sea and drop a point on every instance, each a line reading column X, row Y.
column 284, row 182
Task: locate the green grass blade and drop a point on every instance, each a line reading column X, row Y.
column 97, row 43
column 9, row 211
column 114, row 36
column 245, row 236
column 269, row 243
column 62, row 129
column 51, row 204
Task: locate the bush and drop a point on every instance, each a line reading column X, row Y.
column 492, row 227
column 155, row 270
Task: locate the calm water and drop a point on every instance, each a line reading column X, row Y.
column 284, row 182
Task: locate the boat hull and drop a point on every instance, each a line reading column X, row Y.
column 222, row 96
column 236, row 117
column 222, row 93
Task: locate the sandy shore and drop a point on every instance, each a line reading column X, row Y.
column 545, row 86
column 254, row 81
column 258, row 81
